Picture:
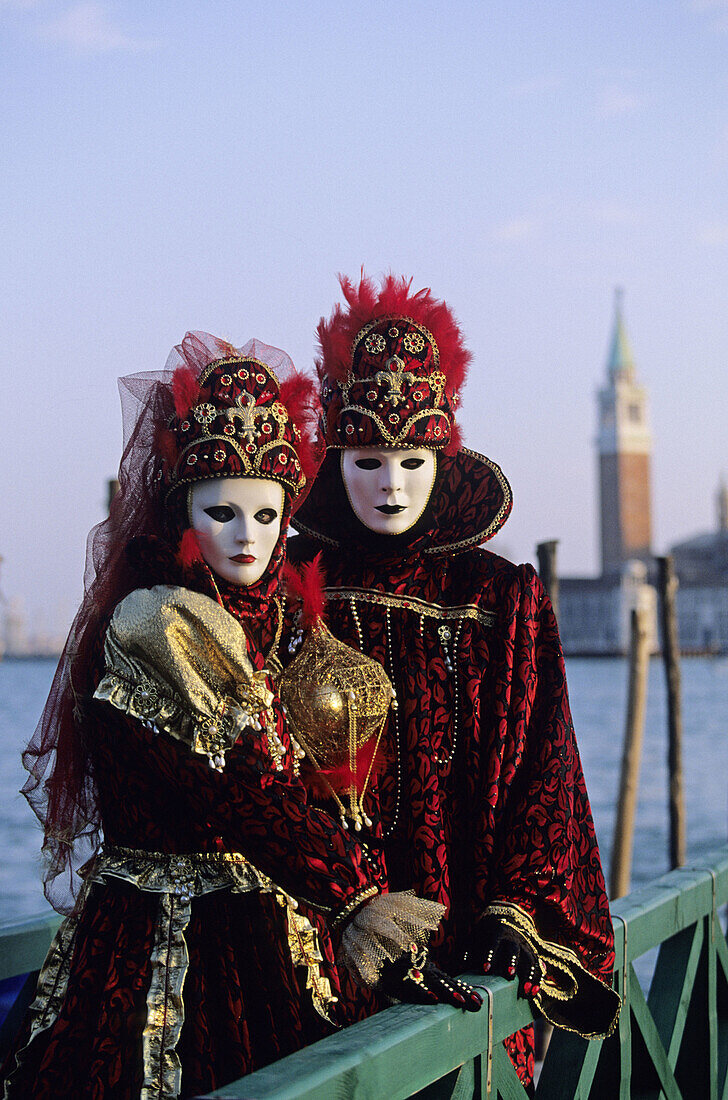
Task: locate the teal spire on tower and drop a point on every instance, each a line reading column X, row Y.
column 620, row 362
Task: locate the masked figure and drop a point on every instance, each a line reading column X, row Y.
column 482, row 804
column 198, row 944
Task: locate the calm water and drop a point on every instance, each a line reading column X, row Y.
column 598, row 692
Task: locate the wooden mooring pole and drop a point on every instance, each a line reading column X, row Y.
column 548, row 572
column 671, row 657
column 639, row 662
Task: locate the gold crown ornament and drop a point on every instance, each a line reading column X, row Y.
column 237, row 427
column 337, row 701
column 238, row 412
column 392, row 363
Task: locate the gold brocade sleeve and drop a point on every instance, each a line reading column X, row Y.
column 569, row 996
column 178, row 661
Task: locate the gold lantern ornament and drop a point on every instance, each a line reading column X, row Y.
column 337, row 701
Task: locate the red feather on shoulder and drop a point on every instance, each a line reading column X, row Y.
column 189, row 551
column 307, row 585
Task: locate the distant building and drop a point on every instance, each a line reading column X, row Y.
column 704, row 558
column 15, row 630
column 701, row 565
column 16, row 640
column 594, row 612
column 624, row 443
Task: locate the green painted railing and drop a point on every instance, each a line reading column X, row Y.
column 671, row 1043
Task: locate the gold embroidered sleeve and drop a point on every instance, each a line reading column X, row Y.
column 569, row 996
column 178, row 661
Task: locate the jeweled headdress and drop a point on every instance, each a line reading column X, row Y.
column 391, row 368
column 244, row 414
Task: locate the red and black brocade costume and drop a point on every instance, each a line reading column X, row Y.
column 244, row 1003
column 482, row 800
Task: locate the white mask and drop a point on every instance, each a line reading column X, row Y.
column 388, row 488
column 237, row 521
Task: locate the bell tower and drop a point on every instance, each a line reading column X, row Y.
column 625, row 446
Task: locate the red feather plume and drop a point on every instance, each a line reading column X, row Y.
column 310, row 455
column 394, row 297
column 308, row 586
column 456, row 439
column 189, row 552
column 185, row 389
column 298, row 394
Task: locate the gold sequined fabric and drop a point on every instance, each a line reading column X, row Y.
column 178, row 878
column 383, row 930
column 303, row 944
column 165, row 1005
column 178, row 661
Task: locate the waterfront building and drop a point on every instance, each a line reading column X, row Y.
column 595, row 612
column 701, row 565
column 18, row 640
column 704, row 558
column 15, row 629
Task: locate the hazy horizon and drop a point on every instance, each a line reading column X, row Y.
column 182, row 166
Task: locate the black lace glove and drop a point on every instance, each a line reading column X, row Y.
column 416, row 980
column 500, row 950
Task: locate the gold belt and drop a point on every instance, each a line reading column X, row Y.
column 184, row 875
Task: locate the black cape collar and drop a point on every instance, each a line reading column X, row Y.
column 470, row 503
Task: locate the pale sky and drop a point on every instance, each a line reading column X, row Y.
column 212, row 165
